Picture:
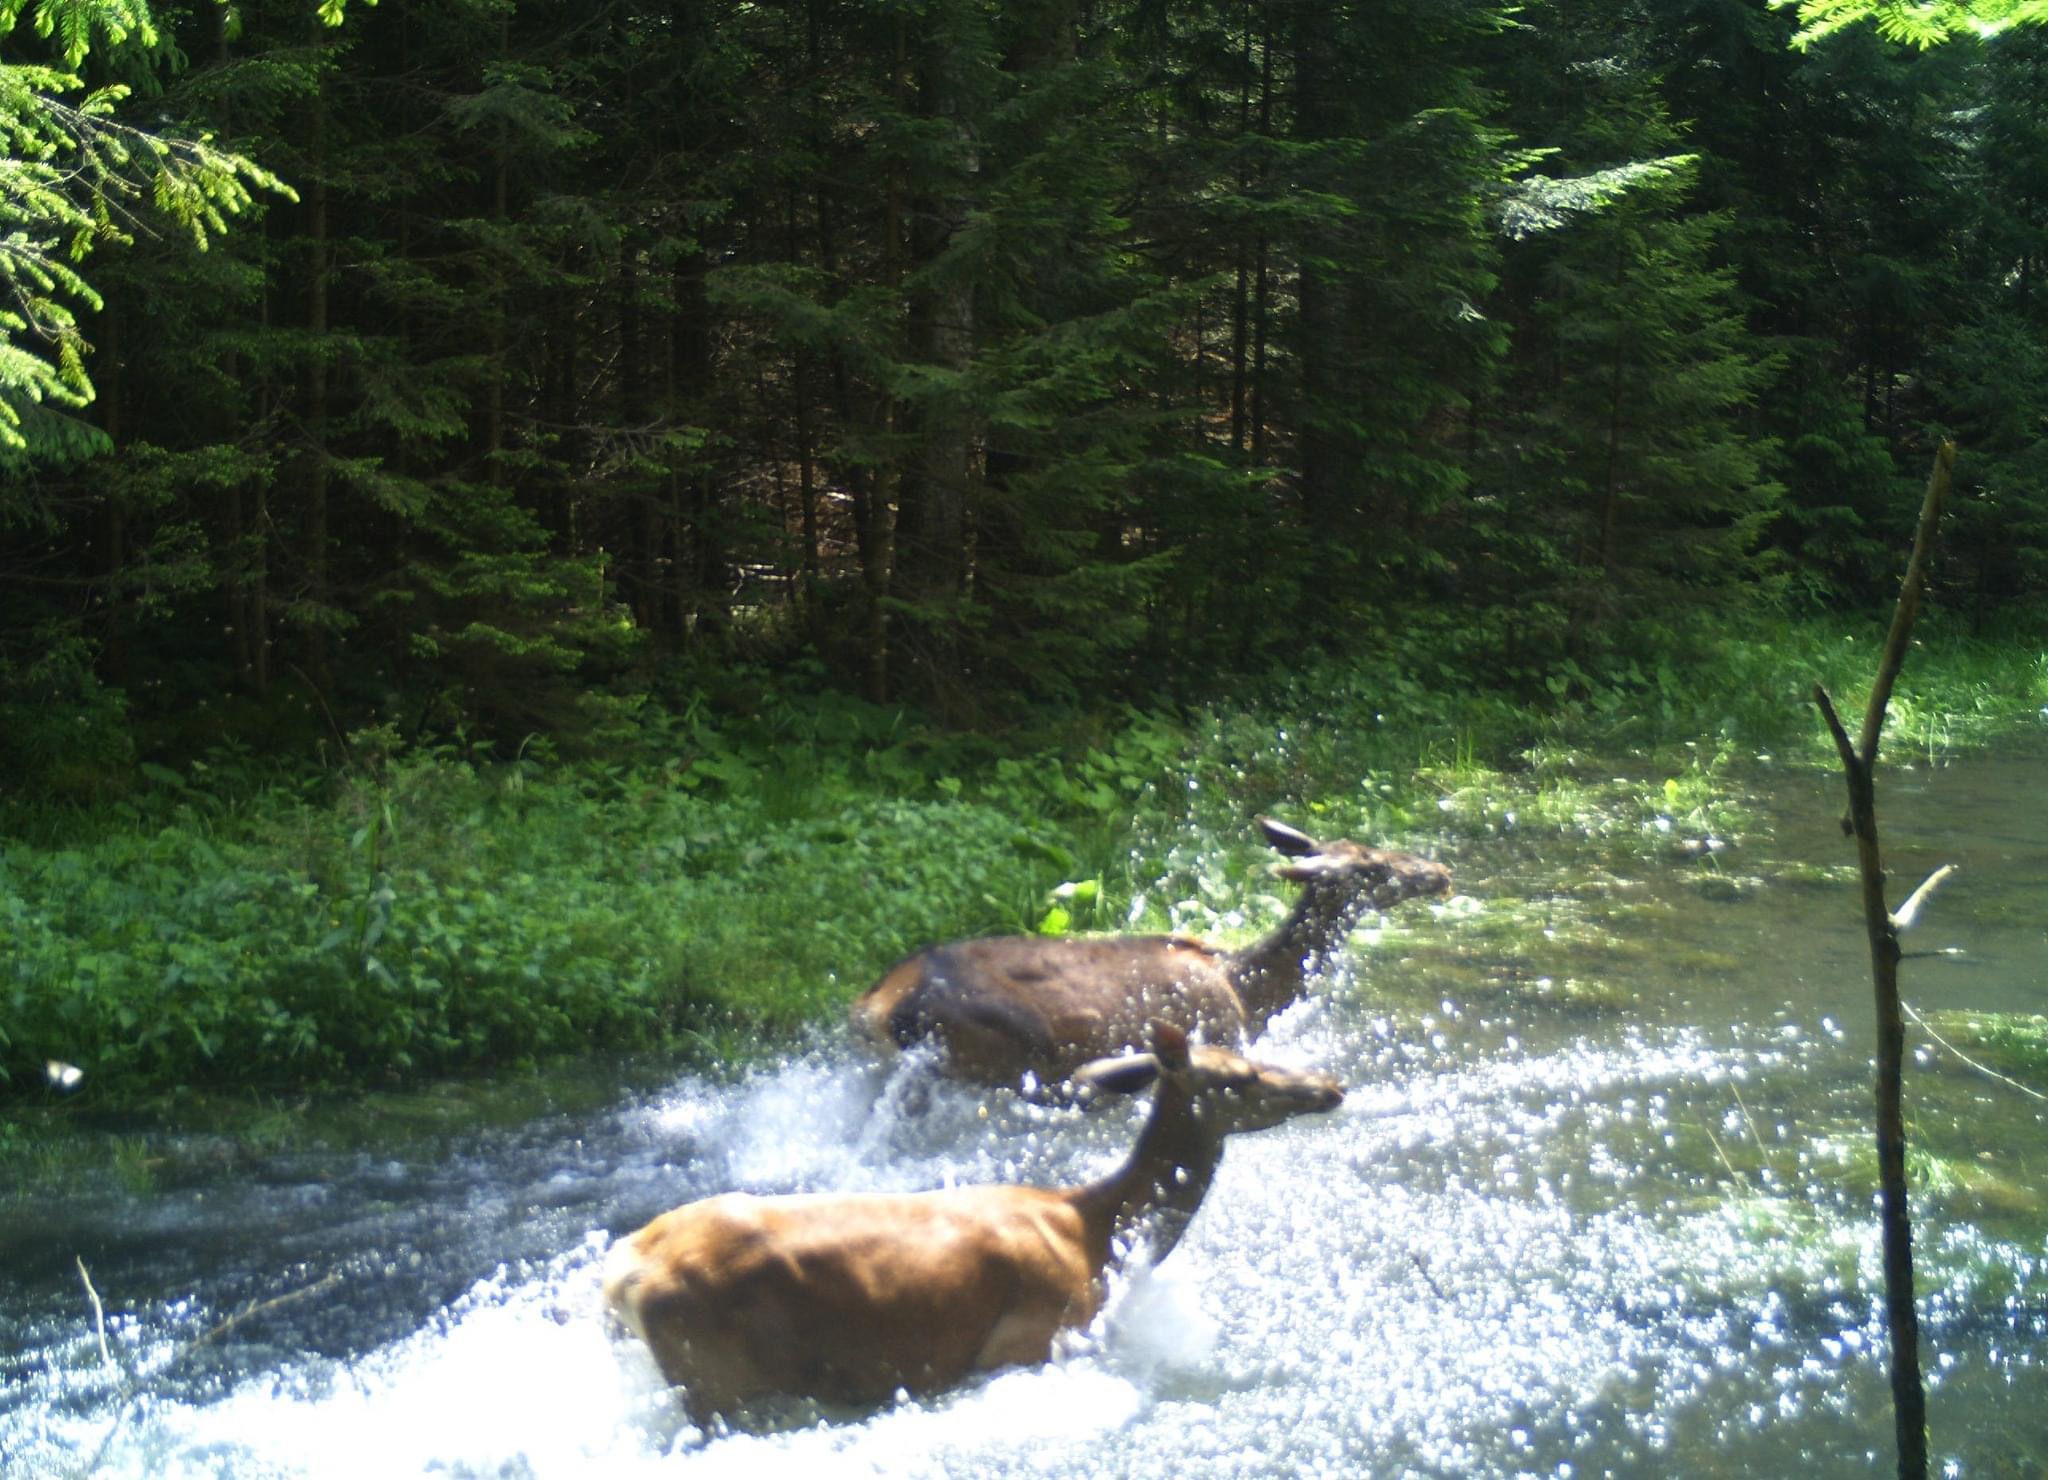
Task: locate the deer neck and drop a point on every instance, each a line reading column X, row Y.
column 1270, row 973
column 1152, row 1198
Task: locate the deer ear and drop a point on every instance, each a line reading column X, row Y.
column 1293, row 843
column 1124, row 1075
column 1169, row 1045
column 1306, row 870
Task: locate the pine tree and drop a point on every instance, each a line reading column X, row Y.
column 1635, row 384
column 92, row 167
column 1989, row 378
column 1837, row 166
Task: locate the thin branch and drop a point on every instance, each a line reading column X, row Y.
column 1908, row 609
column 1428, row 1279
column 136, row 1387
column 1842, row 741
column 348, row 756
column 1733, row 1175
column 1747, row 1121
column 1985, row 1069
column 99, row 1311
column 1907, row 915
column 249, row 1312
column 1909, row 1393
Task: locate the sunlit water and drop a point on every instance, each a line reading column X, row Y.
column 1538, row 1239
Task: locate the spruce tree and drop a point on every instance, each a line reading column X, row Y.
column 1637, row 474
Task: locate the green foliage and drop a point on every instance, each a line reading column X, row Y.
column 426, row 915
column 63, row 733
column 76, row 176
column 1633, row 456
column 748, row 868
column 1914, row 22
column 73, row 24
column 441, row 918
column 1024, row 362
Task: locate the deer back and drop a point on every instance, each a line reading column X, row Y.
column 1003, row 1006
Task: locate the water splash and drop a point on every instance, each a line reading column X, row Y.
column 1536, row 1240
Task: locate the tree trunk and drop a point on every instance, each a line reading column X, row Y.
column 700, row 542
column 317, row 477
column 1329, row 456
column 1261, row 257
column 644, row 561
column 806, row 456
column 868, row 410
column 114, row 531
column 1859, row 763
column 931, row 523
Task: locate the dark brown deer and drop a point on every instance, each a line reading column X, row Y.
column 1005, row 1007
column 846, row 1299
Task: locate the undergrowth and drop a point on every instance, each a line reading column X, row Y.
column 723, row 876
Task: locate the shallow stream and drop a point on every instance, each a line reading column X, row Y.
column 1599, row 1204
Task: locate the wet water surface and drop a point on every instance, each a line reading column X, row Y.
column 1599, row 1203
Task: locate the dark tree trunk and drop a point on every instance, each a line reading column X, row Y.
column 701, row 548
column 1329, row 457
column 1859, row 763
column 932, row 498
column 317, row 475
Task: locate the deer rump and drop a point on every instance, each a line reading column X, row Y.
column 1048, row 1005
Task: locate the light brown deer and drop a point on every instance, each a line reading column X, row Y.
column 847, row 1299
column 1003, row 1007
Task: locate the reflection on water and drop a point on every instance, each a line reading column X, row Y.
column 1541, row 1237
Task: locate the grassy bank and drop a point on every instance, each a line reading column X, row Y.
column 725, row 877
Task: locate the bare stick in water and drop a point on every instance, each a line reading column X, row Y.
column 249, row 1312
column 99, row 1311
column 1907, row 915
column 1427, row 1278
column 135, row 1387
column 1859, row 763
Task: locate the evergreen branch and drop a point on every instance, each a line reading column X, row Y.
column 1915, row 23
column 73, row 177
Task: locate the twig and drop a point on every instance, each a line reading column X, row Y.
column 249, row 1312
column 1843, row 743
column 1427, row 1278
column 1985, row 1069
column 1763, row 1149
column 99, row 1311
column 1908, row 608
column 1859, row 765
column 136, row 1387
column 1733, row 1175
column 1907, row 915
column 348, row 755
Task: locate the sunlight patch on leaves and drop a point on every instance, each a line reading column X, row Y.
column 1928, row 23
column 1539, row 203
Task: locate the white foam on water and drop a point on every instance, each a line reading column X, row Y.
column 1412, row 1284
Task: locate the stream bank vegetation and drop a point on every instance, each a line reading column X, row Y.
column 722, row 877
column 702, row 574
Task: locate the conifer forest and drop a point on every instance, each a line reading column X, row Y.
column 870, row 452
column 593, row 594
column 461, row 366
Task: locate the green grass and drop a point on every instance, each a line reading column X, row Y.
column 719, row 879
